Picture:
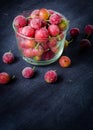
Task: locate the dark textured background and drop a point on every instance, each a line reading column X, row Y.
column 32, row 104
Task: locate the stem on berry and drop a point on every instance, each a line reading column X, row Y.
column 37, row 45
column 71, row 40
column 88, row 36
column 13, row 77
column 10, row 51
column 28, row 17
column 33, row 68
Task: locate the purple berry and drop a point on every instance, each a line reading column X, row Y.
column 88, row 29
column 85, row 44
column 74, row 32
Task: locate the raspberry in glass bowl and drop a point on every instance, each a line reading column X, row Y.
column 40, row 35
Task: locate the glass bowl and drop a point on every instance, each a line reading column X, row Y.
column 41, row 51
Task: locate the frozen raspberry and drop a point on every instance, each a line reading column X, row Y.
column 4, row 78
column 28, row 72
column 50, row 76
column 36, row 23
column 53, row 30
column 20, row 21
column 28, row 31
column 8, row 57
column 55, row 19
column 41, row 35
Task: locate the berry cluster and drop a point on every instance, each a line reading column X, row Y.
column 40, row 33
column 27, row 72
column 85, row 42
column 39, row 37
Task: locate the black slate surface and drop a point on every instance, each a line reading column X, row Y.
column 32, row 104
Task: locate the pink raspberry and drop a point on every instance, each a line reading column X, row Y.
column 20, row 21
column 36, row 23
column 8, row 57
column 55, row 19
column 50, row 76
column 28, row 72
column 53, row 30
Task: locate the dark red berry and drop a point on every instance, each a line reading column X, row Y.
column 74, row 32
column 88, row 29
column 85, row 44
